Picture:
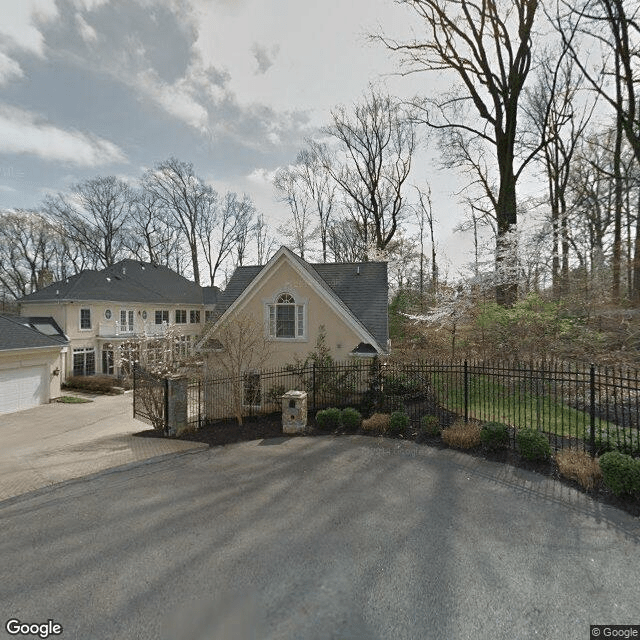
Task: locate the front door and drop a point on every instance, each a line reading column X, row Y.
column 107, row 362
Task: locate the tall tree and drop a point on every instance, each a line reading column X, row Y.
column 189, row 200
column 94, row 216
column 376, row 144
column 488, row 46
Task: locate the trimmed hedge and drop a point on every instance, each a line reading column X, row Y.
column 398, row 423
column 494, row 435
column 350, row 419
column 430, row 426
column 621, row 473
column 328, row 419
column 93, row 384
column 533, row 444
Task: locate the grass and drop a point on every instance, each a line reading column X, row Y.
column 494, row 401
column 72, row 400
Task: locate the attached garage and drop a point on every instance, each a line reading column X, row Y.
column 30, row 364
column 23, row 388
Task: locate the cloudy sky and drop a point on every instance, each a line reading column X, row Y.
column 100, row 87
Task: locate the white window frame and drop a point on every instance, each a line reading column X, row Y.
column 193, row 312
column 130, row 321
column 300, row 317
column 80, row 319
column 181, row 311
column 163, row 313
column 84, row 352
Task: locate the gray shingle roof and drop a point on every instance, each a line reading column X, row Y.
column 18, row 333
column 362, row 287
column 126, row 281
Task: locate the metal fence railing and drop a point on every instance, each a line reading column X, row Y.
column 574, row 404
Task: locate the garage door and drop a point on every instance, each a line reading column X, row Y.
column 22, row 388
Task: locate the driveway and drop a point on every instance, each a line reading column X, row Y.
column 57, row 442
column 319, row 538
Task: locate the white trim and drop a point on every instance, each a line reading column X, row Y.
column 326, row 294
column 80, row 327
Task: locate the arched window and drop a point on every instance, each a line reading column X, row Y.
column 286, row 318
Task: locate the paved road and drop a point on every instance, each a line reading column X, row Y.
column 57, row 442
column 316, row 538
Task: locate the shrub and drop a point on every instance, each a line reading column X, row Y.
column 621, row 473
column 398, row 422
column 328, row 419
column 430, row 426
column 351, row 419
column 378, row 422
column 93, row 384
column 615, row 442
column 579, row 466
column 495, row 435
column 462, row 435
column 533, row 444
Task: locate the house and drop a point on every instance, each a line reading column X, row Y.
column 106, row 312
column 32, row 351
column 293, row 299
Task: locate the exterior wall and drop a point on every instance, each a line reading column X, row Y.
column 51, row 357
column 105, row 330
column 340, row 337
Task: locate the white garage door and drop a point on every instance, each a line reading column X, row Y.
column 22, row 388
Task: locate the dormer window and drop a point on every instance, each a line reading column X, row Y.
column 286, row 318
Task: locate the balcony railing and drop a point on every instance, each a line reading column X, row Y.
column 116, row 329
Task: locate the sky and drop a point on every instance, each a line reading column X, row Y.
column 100, row 87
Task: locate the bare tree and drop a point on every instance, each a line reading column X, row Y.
column 189, row 200
column 94, row 215
column 424, row 212
column 377, row 142
column 266, row 245
column 488, row 46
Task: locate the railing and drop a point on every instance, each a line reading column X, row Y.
column 575, row 405
column 117, row 330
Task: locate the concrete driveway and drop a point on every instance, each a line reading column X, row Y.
column 57, row 442
column 319, row 538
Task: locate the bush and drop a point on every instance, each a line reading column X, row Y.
column 398, row 422
column 430, row 426
column 533, row 444
column 328, row 419
column 621, row 473
column 378, row 422
column 351, row 419
column 579, row 466
column 462, row 435
column 495, row 435
column 93, row 384
column 616, row 442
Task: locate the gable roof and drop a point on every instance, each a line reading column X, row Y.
column 127, row 281
column 361, row 289
column 21, row 333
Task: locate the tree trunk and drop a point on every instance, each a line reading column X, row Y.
column 506, row 248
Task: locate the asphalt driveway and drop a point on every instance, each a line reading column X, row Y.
column 316, row 538
column 57, row 442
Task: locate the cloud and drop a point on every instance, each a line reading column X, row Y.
column 21, row 21
column 9, row 69
column 87, row 32
column 264, row 57
column 24, row 132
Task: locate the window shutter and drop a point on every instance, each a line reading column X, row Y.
column 300, row 320
column 272, row 320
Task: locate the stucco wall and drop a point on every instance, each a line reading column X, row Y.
column 52, row 358
column 340, row 337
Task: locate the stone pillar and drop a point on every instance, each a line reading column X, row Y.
column 176, row 405
column 294, row 412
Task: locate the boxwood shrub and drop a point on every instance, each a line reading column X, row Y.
column 398, row 422
column 621, row 473
column 533, row 444
column 92, row 384
column 430, row 426
column 495, row 435
column 328, row 419
column 351, row 419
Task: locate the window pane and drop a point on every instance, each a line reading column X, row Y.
column 85, row 318
column 300, row 320
column 286, row 321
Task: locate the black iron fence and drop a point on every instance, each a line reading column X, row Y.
column 575, row 405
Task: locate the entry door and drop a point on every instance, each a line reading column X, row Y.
column 107, row 361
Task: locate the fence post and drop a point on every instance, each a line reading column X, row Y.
column 466, row 391
column 592, row 399
column 314, row 387
column 165, row 426
column 135, row 369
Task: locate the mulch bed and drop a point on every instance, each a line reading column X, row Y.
column 270, row 426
